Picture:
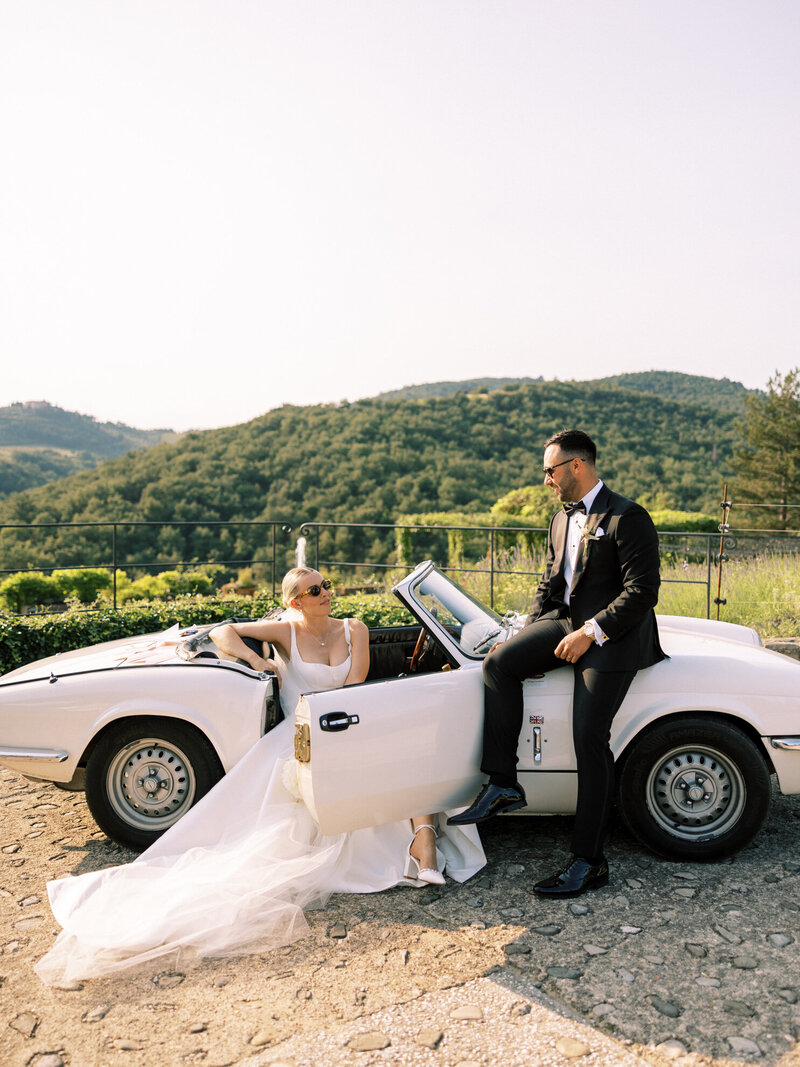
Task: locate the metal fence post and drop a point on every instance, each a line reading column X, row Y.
column 274, row 550
column 491, row 568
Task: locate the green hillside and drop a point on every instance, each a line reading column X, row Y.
column 469, row 385
column 40, row 442
column 721, row 394
column 370, row 461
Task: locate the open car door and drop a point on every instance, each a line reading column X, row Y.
column 389, row 750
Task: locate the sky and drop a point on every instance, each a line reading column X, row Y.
column 210, row 209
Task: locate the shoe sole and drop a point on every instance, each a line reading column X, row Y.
column 457, row 820
column 556, row 894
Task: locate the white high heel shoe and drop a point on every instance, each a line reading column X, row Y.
column 422, row 874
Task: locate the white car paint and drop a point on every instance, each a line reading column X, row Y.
column 51, row 710
column 412, row 744
column 419, row 737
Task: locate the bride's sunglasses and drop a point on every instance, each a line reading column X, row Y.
column 315, row 590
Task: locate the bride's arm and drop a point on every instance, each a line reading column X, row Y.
column 359, row 644
column 228, row 639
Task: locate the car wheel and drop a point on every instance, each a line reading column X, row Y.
column 144, row 774
column 694, row 788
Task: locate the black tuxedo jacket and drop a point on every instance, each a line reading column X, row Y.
column 615, row 582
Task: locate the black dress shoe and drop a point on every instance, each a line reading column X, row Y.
column 491, row 800
column 578, row 876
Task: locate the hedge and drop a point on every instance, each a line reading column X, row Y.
column 467, row 536
column 672, row 521
column 30, row 637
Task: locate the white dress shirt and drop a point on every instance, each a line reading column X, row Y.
column 575, row 525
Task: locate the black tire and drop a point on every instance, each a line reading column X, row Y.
column 144, row 774
column 694, row 788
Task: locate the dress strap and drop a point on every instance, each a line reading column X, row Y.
column 347, row 635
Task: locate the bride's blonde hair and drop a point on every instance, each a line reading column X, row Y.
column 291, row 583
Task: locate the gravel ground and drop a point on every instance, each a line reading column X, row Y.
column 670, row 963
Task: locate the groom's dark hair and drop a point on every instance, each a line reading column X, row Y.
column 577, row 442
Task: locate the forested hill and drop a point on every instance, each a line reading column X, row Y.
column 40, row 442
column 469, row 385
column 721, row 394
column 374, row 459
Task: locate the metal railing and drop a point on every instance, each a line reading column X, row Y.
column 699, row 547
column 491, row 532
column 702, row 549
column 113, row 563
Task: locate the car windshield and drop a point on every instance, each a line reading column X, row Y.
column 473, row 625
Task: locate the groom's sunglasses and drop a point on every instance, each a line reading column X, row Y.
column 315, row 590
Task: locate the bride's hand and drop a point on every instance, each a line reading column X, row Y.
column 265, row 666
column 272, row 666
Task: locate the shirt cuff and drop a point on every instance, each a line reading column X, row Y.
column 599, row 637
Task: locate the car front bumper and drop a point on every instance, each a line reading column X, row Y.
column 34, row 762
column 785, row 754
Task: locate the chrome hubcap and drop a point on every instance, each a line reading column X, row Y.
column 150, row 784
column 696, row 793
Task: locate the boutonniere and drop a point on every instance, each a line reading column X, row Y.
column 591, row 533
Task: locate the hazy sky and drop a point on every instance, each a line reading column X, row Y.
column 209, row 209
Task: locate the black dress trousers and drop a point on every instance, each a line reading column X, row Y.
column 596, row 700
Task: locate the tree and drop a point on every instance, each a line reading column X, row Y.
column 535, row 503
column 768, row 467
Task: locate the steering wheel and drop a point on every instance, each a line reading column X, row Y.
column 419, row 649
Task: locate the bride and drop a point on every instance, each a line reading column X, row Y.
column 234, row 875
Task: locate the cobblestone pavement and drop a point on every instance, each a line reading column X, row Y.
column 670, row 963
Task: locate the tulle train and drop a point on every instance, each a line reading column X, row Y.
column 233, row 876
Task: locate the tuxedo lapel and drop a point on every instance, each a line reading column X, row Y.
column 560, row 525
column 601, row 505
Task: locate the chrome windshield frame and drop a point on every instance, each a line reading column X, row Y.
column 463, row 608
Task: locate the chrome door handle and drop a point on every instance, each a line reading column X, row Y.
column 537, row 744
column 337, row 720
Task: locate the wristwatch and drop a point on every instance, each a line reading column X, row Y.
column 588, row 629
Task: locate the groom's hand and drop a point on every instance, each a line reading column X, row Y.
column 573, row 646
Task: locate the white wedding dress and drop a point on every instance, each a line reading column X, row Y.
column 234, row 875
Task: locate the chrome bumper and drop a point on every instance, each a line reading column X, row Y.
column 787, row 744
column 29, row 760
column 783, row 752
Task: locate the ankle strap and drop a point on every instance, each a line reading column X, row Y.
column 425, row 826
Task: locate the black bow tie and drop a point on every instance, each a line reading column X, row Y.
column 570, row 508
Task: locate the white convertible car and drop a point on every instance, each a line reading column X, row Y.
column 147, row 725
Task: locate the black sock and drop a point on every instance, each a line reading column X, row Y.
column 503, row 781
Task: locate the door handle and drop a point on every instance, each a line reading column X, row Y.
column 337, row 720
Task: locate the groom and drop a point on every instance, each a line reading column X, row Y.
column 593, row 609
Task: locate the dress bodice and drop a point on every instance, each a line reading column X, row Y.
column 298, row 676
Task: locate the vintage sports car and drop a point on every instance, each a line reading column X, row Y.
column 147, row 725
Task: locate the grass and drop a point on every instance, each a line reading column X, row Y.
column 760, row 591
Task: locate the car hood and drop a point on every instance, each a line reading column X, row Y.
column 146, row 650
column 708, row 628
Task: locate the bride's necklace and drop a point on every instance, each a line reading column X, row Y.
column 316, row 638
